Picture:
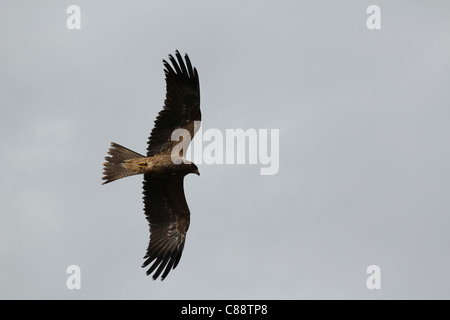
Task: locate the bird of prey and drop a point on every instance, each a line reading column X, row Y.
column 164, row 167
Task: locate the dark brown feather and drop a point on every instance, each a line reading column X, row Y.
column 181, row 106
column 168, row 215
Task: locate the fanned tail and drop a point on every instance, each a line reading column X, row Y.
column 114, row 168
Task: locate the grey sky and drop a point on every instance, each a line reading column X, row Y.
column 364, row 172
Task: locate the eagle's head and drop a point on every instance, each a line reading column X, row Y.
column 193, row 169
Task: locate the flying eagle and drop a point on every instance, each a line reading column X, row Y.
column 164, row 167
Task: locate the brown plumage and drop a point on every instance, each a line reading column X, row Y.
column 164, row 167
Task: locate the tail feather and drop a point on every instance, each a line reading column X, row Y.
column 113, row 168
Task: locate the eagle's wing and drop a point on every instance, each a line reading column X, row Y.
column 168, row 215
column 181, row 106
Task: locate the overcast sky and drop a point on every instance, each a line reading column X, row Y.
column 363, row 179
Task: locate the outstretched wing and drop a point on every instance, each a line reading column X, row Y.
column 167, row 212
column 181, row 107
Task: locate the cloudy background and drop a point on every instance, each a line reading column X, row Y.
column 364, row 172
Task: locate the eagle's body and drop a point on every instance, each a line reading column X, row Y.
column 164, row 167
column 157, row 166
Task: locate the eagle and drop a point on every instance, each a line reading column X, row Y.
column 164, row 167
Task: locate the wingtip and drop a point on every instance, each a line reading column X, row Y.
column 154, row 276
